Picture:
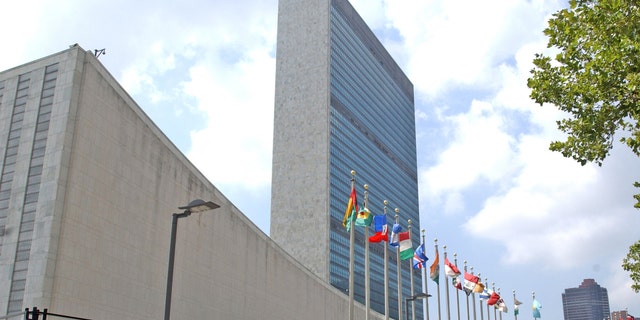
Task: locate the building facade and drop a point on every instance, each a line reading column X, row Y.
column 621, row 315
column 342, row 103
column 88, row 184
column 589, row 301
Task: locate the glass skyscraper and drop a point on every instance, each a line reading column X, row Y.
column 589, row 301
column 342, row 103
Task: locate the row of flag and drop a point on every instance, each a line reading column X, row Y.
column 472, row 284
column 467, row 282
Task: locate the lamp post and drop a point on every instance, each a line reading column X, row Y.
column 197, row 205
column 420, row 295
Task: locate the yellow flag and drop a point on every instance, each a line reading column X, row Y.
column 479, row 288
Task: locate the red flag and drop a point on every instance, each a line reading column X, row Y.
column 493, row 299
column 380, row 236
column 470, row 281
column 471, row 278
column 450, row 269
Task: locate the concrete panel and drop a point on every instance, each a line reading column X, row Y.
column 300, row 172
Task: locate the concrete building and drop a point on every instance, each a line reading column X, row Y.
column 341, row 103
column 589, row 301
column 621, row 315
column 88, row 185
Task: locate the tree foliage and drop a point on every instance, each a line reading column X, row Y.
column 595, row 77
column 632, row 264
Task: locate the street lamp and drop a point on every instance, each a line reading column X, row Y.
column 420, row 295
column 197, row 205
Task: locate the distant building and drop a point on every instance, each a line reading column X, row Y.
column 589, row 301
column 621, row 315
column 341, row 103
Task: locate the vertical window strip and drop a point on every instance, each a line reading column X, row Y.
column 11, row 152
column 1, row 92
column 26, row 231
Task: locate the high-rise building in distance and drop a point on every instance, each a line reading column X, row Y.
column 589, row 301
column 341, row 103
column 621, row 315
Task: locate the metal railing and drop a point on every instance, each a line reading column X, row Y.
column 34, row 314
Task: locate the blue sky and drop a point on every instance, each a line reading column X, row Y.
column 524, row 217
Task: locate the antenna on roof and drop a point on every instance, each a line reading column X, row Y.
column 98, row 53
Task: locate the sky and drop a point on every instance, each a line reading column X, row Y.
column 524, row 217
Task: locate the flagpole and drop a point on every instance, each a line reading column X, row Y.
column 435, row 245
column 455, row 262
column 502, row 302
column 488, row 313
column 413, row 306
column 386, row 270
column 473, row 297
column 515, row 314
column 425, row 283
column 366, row 258
column 480, row 302
column 495, row 315
column 398, row 273
column 466, row 294
column 352, row 237
column 533, row 293
column 446, row 284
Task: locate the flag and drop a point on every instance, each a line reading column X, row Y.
column 536, row 308
column 456, row 283
column 485, row 295
column 419, row 258
column 470, row 282
column 502, row 306
column 493, row 299
column 406, row 248
column 479, row 288
column 434, row 272
column 450, row 269
column 381, row 229
column 515, row 310
column 364, row 218
column 516, row 302
column 394, row 235
column 352, row 207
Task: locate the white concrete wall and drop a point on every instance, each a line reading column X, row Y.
column 122, row 179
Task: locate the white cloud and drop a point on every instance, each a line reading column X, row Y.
column 18, row 45
column 141, row 80
column 535, row 208
column 221, row 55
column 619, row 286
column 479, row 149
column 452, row 43
column 235, row 147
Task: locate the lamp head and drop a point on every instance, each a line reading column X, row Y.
column 199, row 205
column 421, row 295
